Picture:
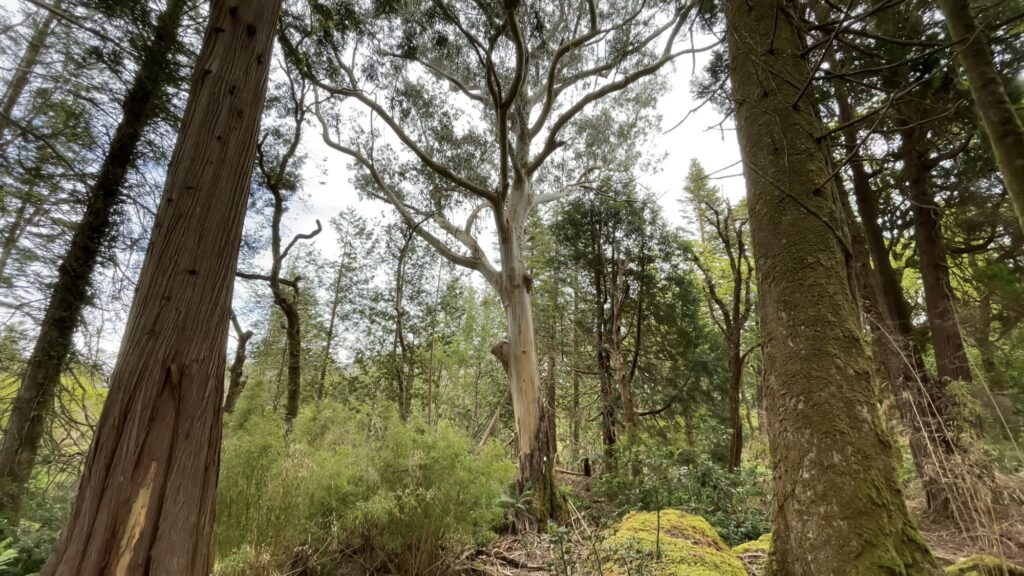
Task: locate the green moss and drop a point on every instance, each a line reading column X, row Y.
column 760, row 545
column 689, row 547
column 983, row 565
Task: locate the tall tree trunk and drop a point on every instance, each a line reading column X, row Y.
column 433, row 337
column 994, row 373
column 968, row 475
column 25, row 427
column 534, row 455
column 146, row 501
column 25, row 216
column 897, row 347
column 920, row 399
column 838, row 507
column 237, row 380
column 908, row 381
column 604, row 363
column 293, row 338
column 329, row 340
column 1003, row 126
column 575, row 417
column 398, row 346
column 890, row 288
column 951, row 361
column 735, row 385
column 26, row 66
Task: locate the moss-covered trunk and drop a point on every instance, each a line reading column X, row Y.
column 838, row 507
column 146, row 500
column 41, row 382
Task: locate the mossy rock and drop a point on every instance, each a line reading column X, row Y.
column 761, row 545
column 754, row 554
column 983, row 565
column 689, row 547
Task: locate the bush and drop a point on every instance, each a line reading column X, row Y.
column 402, row 498
column 650, row 474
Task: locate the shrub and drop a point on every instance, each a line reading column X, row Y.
column 399, row 497
column 651, row 475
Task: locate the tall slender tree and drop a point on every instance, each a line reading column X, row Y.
column 26, row 67
column 723, row 236
column 276, row 155
column 70, row 293
column 838, row 507
column 1002, row 124
column 146, row 500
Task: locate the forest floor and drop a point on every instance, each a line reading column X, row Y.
column 1002, row 535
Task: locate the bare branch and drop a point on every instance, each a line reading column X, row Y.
column 298, row 237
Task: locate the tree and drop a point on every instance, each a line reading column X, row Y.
column 349, row 293
column 237, row 380
column 71, row 291
column 838, row 507
column 277, row 174
column 23, row 73
column 528, row 86
column 723, row 237
column 1002, row 124
column 146, row 499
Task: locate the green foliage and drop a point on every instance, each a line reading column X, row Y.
column 735, row 503
column 350, row 487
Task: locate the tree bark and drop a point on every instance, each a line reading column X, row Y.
column 398, row 347
column 735, row 385
column 146, row 501
column 838, row 507
column 237, row 380
column 534, row 455
column 1002, row 125
column 26, row 66
column 26, row 425
column 951, row 361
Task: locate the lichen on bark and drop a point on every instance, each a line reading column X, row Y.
column 838, row 506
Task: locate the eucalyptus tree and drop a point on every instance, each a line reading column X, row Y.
column 723, row 258
column 146, row 499
column 838, row 505
column 70, row 293
column 478, row 99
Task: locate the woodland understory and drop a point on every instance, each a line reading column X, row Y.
column 568, row 287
